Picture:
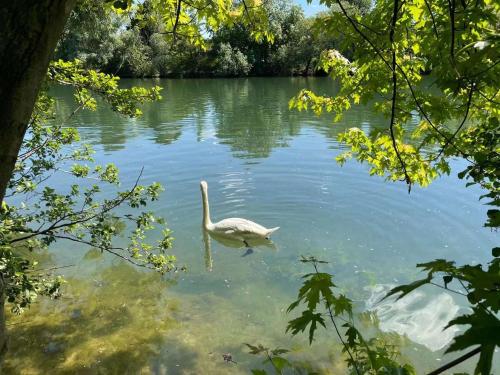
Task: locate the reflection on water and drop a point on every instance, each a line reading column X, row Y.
column 226, row 242
column 274, row 166
column 419, row 316
column 207, row 242
column 242, row 113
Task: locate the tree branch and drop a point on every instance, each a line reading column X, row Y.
column 432, row 17
column 394, row 94
column 455, row 362
column 412, row 91
column 377, row 51
column 330, row 314
column 111, row 250
column 469, row 101
column 55, row 226
column 451, row 7
column 176, row 23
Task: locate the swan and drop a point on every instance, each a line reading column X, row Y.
column 240, row 229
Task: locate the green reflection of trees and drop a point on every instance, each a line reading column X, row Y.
column 252, row 119
column 249, row 115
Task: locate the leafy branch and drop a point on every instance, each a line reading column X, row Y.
column 317, row 292
column 483, row 292
column 76, row 214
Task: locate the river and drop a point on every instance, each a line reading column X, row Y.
column 276, row 167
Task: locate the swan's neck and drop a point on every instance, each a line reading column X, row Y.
column 206, row 210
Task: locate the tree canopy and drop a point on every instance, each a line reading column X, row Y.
column 432, row 68
column 138, row 44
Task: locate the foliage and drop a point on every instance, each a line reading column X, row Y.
column 465, row 91
column 482, row 290
column 294, row 49
column 272, row 356
column 436, row 64
column 132, row 57
column 34, row 215
column 231, row 62
column 90, row 35
column 144, row 44
column 162, row 33
column 323, row 305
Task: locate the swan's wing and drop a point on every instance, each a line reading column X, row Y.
column 235, row 226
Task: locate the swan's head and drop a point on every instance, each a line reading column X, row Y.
column 203, row 185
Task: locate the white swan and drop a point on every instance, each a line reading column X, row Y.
column 240, row 229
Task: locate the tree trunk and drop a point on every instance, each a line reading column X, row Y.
column 306, row 70
column 29, row 32
column 3, row 331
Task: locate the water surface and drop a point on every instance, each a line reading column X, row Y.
column 273, row 166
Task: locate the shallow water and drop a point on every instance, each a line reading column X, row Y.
column 273, row 166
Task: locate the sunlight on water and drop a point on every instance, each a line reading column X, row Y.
column 420, row 316
column 275, row 167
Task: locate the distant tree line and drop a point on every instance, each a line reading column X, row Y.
column 135, row 45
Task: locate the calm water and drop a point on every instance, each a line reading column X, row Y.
column 273, row 166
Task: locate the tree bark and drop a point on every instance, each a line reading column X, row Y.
column 29, row 31
column 3, row 329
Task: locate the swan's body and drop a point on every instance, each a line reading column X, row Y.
column 240, row 229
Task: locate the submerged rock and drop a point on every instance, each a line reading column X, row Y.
column 54, row 347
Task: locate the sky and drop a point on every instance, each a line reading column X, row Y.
column 310, row 9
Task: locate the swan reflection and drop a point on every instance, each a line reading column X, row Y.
column 230, row 242
column 419, row 316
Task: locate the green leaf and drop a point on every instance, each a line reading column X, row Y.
column 342, row 304
column 293, row 305
column 307, row 318
column 351, row 334
column 438, row 265
column 484, row 330
column 406, row 289
column 280, row 363
column 485, row 360
column 256, row 349
column 279, row 351
column 319, row 285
